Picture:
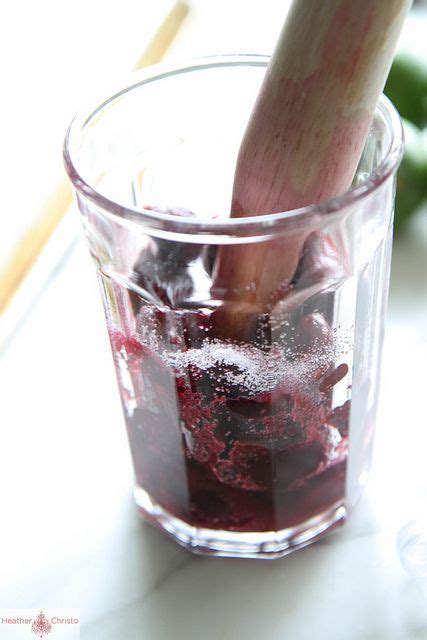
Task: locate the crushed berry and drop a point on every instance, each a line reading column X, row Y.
column 320, row 260
column 221, row 457
column 340, row 418
column 336, row 376
column 130, row 345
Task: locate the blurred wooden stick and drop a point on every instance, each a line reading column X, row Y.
column 33, row 240
column 164, row 36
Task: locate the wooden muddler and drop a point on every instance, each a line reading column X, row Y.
column 307, row 130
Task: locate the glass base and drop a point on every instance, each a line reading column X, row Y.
column 232, row 544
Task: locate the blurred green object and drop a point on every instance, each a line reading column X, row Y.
column 407, row 87
column 412, row 176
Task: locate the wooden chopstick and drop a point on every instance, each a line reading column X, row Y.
column 33, row 240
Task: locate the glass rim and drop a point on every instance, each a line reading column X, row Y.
column 260, row 225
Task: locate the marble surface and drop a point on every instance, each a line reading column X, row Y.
column 71, row 537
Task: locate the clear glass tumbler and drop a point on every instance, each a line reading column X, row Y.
column 250, row 420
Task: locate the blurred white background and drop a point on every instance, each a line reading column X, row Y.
column 56, row 53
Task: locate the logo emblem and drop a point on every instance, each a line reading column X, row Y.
column 41, row 625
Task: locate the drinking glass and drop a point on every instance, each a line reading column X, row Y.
column 250, row 424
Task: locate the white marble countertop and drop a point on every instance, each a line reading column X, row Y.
column 71, row 536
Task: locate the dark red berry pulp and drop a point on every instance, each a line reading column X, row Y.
column 214, row 450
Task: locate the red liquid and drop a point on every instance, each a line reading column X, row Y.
column 212, row 449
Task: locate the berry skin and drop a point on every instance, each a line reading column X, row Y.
column 162, row 266
column 320, row 261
